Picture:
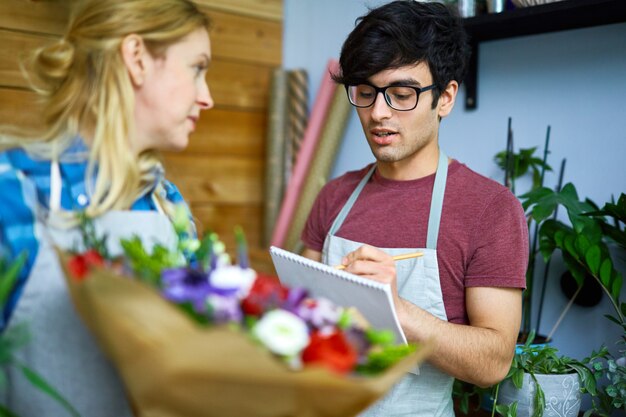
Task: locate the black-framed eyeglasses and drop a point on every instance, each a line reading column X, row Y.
column 398, row 97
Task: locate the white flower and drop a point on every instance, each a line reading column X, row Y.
column 282, row 332
column 232, row 276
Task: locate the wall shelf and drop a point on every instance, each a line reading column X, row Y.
column 551, row 17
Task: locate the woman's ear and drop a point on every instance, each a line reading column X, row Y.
column 135, row 57
column 447, row 98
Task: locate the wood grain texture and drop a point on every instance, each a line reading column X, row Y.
column 16, row 46
column 19, row 107
column 226, row 180
column 228, row 133
column 241, row 85
column 49, row 17
column 245, row 39
column 262, row 9
column 222, row 219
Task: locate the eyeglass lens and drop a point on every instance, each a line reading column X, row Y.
column 397, row 97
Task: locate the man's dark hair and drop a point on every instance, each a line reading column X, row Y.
column 404, row 33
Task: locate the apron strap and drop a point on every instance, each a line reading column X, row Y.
column 436, row 202
column 348, row 206
column 55, row 185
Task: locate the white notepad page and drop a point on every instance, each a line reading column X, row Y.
column 371, row 298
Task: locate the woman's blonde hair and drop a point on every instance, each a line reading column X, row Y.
column 85, row 86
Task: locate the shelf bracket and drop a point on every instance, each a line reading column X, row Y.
column 471, row 79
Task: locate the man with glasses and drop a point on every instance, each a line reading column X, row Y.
column 401, row 67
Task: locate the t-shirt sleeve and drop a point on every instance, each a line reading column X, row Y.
column 500, row 249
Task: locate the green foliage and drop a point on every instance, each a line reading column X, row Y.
column 148, row 265
column 582, row 243
column 604, row 366
column 380, row 360
column 615, row 228
column 520, row 164
column 9, row 272
column 91, row 238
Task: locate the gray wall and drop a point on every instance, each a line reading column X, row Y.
column 574, row 81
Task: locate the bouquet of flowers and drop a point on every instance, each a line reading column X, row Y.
column 192, row 334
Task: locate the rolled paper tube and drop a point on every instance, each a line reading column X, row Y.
column 305, row 156
column 275, row 150
column 321, row 165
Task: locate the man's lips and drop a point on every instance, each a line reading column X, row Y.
column 194, row 121
column 383, row 136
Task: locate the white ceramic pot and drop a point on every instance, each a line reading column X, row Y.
column 562, row 394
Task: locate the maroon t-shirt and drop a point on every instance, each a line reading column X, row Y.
column 483, row 235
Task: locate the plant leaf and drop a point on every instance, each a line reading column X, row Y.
column 5, row 412
column 592, row 257
column 605, row 272
column 36, row 380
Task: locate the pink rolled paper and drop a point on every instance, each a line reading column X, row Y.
column 305, row 155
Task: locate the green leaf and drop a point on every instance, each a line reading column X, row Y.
column 568, row 245
column 9, row 277
column 5, row 412
column 37, row 381
column 582, row 244
column 539, row 401
column 592, row 257
column 518, row 378
column 616, row 287
column 605, row 271
column 559, row 238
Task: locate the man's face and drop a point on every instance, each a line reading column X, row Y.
column 399, row 137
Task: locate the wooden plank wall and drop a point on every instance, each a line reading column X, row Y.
column 221, row 173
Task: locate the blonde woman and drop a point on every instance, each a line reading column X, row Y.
column 126, row 80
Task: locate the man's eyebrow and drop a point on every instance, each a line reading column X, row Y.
column 404, row 81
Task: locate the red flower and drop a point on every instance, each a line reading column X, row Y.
column 266, row 293
column 93, row 258
column 79, row 265
column 332, row 351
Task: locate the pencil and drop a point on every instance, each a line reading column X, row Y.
column 395, row 258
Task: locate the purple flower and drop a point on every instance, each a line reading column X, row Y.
column 320, row 313
column 224, row 309
column 182, row 285
column 295, row 297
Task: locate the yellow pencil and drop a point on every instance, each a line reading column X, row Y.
column 395, row 258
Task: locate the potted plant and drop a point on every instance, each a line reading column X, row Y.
column 584, row 245
column 540, row 381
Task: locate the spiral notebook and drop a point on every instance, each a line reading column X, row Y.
column 371, row 298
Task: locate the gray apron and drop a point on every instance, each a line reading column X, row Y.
column 428, row 393
column 61, row 348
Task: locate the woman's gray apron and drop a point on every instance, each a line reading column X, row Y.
column 429, row 393
column 61, row 348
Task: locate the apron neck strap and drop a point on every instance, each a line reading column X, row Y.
column 348, row 206
column 55, row 185
column 436, row 202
